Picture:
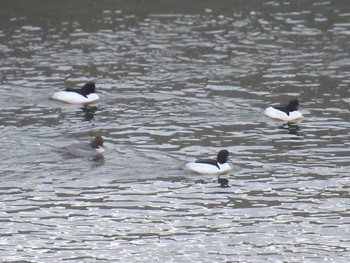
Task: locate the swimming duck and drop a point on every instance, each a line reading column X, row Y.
column 94, row 148
column 78, row 96
column 287, row 113
column 206, row 166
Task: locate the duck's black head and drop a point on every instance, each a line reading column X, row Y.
column 293, row 105
column 88, row 88
column 222, row 156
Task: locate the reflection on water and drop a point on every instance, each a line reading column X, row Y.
column 292, row 127
column 89, row 112
column 178, row 80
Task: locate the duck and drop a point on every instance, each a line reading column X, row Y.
column 92, row 149
column 209, row 166
column 86, row 94
column 285, row 113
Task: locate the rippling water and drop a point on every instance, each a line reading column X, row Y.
column 178, row 80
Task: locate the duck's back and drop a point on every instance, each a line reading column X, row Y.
column 282, row 115
column 82, row 150
column 208, row 168
column 74, row 97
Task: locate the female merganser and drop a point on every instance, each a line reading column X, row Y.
column 217, row 166
column 92, row 149
column 287, row 113
column 85, row 95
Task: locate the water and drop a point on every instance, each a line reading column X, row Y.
column 178, row 80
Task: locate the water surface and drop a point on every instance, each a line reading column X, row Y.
column 178, row 80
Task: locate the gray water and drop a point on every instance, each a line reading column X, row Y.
column 178, row 80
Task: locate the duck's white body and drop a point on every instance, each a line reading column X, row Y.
column 74, row 97
column 207, row 168
column 281, row 115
